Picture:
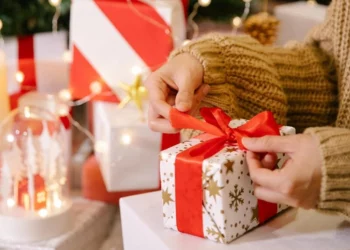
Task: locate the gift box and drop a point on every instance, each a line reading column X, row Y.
column 297, row 19
column 94, row 188
column 36, row 63
column 131, row 37
column 206, row 188
column 92, row 223
column 123, row 141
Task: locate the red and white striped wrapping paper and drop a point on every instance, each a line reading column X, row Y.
column 109, row 38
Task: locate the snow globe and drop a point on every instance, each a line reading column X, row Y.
column 34, row 192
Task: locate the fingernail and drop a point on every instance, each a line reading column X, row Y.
column 206, row 89
column 184, row 106
column 246, row 141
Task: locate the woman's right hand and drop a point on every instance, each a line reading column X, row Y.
column 178, row 83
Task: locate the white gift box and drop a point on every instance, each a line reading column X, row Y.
column 127, row 150
column 92, row 222
column 142, row 227
column 44, row 46
column 115, row 50
column 297, row 19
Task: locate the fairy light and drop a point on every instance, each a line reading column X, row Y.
column 236, row 21
column 57, row 201
column 63, row 111
column 126, row 139
column 19, row 77
column 11, row 202
column 100, row 146
column 43, row 213
column 10, row 138
column 136, row 70
column 57, row 5
column 95, row 87
column 204, row 3
column 26, row 112
column 1, row 24
column 65, row 95
column 67, row 56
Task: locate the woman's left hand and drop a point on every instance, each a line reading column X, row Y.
column 296, row 184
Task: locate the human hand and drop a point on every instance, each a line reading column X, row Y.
column 179, row 82
column 298, row 183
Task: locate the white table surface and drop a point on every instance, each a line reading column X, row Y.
column 294, row 229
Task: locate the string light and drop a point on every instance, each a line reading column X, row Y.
column 57, row 5
column 204, row 3
column 1, row 24
column 67, row 56
column 11, row 202
column 126, row 139
column 19, row 77
column 10, row 138
column 237, row 23
column 100, row 146
column 95, row 87
column 65, row 95
column 136, row 70
column 43, row 213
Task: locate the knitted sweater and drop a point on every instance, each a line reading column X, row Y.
column 306, row 85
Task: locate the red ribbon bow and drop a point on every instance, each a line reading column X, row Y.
column 188, row 164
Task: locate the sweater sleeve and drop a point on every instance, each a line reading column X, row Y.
column 294, row 82
column 335, row 186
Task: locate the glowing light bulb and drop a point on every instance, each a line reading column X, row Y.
column 204, row 3
column 43, row 213
column 126, row 139
column 26, row 112
column 11, row 202
column 10, row 138
column 186, row 42
column 236, row 21
column 65, row 95
column 19, row 76
column 55, row 3
column 95, row 87
column 100, row 146
column 136, row 70
column 67, row 56
column 1, row 24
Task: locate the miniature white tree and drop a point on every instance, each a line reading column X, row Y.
column 45, row 145
column 31, row 163
column 6, row 177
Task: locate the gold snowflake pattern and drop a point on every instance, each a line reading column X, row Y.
column 255, row 214
column 219, row 236
column 166, row 196
column 236, row 197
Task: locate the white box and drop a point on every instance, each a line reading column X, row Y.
column 142, row 228
column 92, row 222
column 297, row 19
column 127, row 150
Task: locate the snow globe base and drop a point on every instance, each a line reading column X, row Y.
column 24, row 230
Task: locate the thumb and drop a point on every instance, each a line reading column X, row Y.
column 184, row 98
column 276, row 144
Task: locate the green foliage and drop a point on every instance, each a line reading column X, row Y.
column 220, row 10
column 26, row 17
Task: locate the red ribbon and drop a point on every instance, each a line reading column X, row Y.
column 188, row 164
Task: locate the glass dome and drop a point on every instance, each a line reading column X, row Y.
column 33, row 174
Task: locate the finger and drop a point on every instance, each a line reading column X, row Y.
column 171, row 100
column 269, row 161
column 200, row 93
column 162, row 125
column 184, row 97
column 277, row 144
column 272, row 196
column 162, row 108
column 263, row 176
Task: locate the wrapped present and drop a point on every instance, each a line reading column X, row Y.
column 94, row 188
column 206, row 188
column 92, row 223
column 131, row 37
column 36, row 63
column 123, row 140
column 297, row 19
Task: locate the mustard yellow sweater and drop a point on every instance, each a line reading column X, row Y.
column 306, row 85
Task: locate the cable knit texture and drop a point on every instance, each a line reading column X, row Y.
column 306, row 85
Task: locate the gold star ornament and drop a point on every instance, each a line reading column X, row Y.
column 166, row 196
column 134, row 93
